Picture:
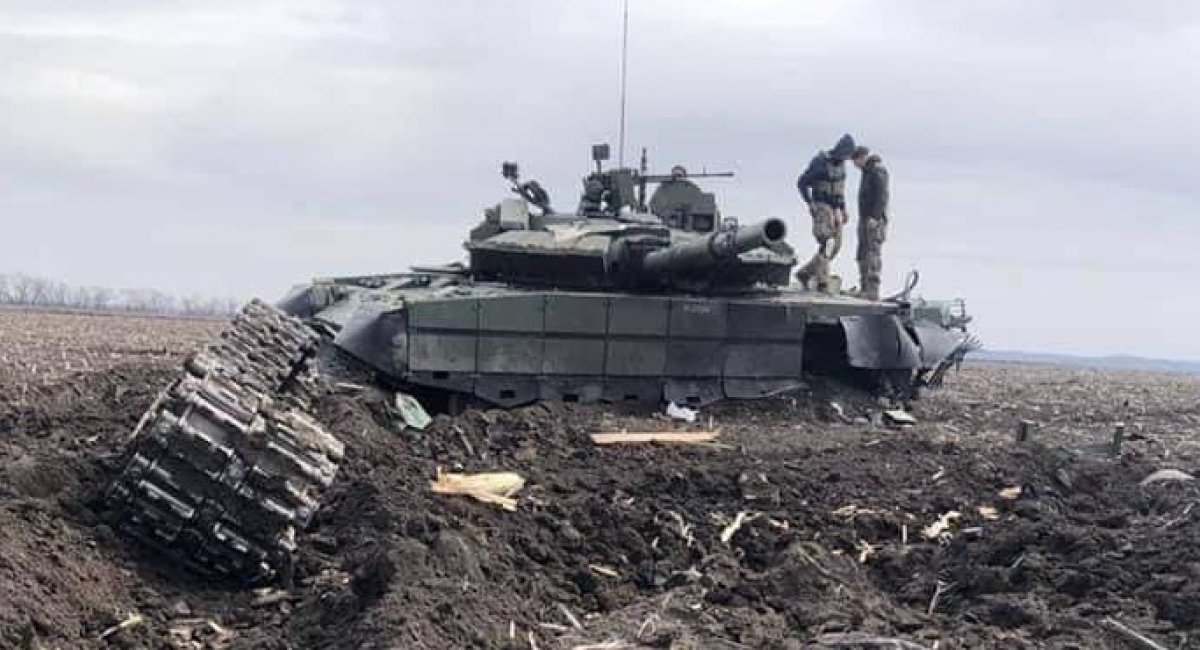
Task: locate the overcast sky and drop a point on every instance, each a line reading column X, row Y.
column 1044, row 155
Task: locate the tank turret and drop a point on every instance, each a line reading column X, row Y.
column 616, row 239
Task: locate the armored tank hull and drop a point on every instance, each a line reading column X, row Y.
column 509, row 346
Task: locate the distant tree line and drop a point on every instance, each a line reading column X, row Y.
column 31, row 291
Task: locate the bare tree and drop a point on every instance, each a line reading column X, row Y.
column 161, row 303
column 40, row 291
column 22, row 289
column 79, row 297
column 57, row 293
column 134, row 300
column 100, row 297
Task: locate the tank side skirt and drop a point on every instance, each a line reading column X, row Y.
column 515, row 349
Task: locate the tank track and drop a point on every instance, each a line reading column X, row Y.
column 227, row 464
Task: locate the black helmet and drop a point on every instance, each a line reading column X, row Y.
column 843, row 148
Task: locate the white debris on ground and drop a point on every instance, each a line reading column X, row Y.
column 1165, row 475
column 411, row 412
column 683, row 413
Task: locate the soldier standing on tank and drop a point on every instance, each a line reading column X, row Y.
column 872, row 220
column 823, row 187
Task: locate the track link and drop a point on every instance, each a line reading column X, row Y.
column 227, row 464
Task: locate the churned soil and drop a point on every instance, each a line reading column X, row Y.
column 632, row 546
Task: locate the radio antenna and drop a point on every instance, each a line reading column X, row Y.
column 624, row 60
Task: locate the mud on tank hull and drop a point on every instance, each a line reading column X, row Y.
column 511, row 346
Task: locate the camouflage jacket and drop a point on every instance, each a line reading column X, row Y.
column 873, row 190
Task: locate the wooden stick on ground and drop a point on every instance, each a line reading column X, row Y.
column 941, row 588
column 490, row 487
column 131, row 621
column 604, row 570
column 680, row 437
column 462, row 437
column 732, row 529
column 570, row 617
column 1135, row 638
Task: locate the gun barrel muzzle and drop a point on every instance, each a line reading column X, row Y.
column 717, row 247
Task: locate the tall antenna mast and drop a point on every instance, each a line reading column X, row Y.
column 624, row 59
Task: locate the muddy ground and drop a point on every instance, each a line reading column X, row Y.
column 621, row 547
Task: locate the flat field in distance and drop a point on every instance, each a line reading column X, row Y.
column 47, row 345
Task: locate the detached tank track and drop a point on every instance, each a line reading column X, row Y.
column 227, row 464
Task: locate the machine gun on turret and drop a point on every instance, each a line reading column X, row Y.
column 607, row 192
column 678, row 175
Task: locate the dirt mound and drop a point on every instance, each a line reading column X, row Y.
column 59, row 579
column 633, row 545
column 628, row 540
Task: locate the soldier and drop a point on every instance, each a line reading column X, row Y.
column 823, row 187
column 680, row 202
column 872, row 220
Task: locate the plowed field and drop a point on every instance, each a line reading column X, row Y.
column 629, row 547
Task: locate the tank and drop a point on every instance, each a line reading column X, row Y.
column 628, row 298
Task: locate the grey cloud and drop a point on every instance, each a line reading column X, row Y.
column 1054, row 21
column 1041, row 152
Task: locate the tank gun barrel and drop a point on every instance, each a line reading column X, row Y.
column 721, row 245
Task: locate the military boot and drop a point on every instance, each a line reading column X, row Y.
column 804, row 276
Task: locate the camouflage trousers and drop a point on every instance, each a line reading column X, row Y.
column 872, row 231
column 828, row 232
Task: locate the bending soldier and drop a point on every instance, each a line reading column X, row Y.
column 823, row 187
column 872, row 220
